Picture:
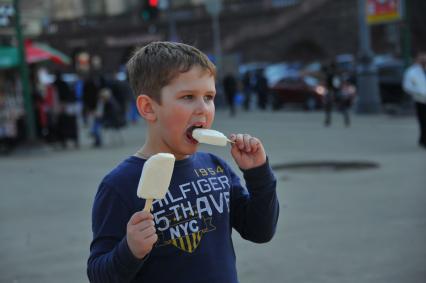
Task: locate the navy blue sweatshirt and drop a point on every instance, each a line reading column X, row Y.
column 193, row 222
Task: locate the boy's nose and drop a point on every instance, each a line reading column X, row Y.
column 201, row 106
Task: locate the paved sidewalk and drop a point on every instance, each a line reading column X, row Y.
column 335, row 226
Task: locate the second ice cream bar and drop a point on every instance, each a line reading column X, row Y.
column 155, row 178
column 210, row 136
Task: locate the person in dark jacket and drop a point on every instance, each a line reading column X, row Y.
column 91, row 87
column 67, row 127
column 247, row 89
column 261, row 89
column 339, row 94
column 230, row 89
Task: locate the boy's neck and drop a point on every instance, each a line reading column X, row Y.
column 154, row 145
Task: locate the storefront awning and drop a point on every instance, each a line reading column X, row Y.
column 35, row 52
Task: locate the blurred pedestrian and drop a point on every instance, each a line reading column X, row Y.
column 67, row 127
column 261, row 90
column 415, row 85
column 122, row 94
column 247, row 89
column 51, row 109
column 110, row 110
column 91, row 88
column 339, row 94
column 230, row 89
column 78, row 91
column 345, row 99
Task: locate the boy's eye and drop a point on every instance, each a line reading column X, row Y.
column 209, row 97
column 187, row 97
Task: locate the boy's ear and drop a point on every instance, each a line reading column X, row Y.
column 145, row 106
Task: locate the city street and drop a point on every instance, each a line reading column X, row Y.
column 342, row 226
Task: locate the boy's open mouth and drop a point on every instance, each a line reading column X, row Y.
column 189, row 133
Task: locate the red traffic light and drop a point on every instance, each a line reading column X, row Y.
column 153, row 3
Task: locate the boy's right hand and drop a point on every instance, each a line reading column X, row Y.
column 141, row 235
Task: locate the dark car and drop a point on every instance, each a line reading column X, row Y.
column 302, row 90
column 390, row 77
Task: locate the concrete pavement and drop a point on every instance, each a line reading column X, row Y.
column 344, row 226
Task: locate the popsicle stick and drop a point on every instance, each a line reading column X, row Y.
column 228, row 140
column 148, row 205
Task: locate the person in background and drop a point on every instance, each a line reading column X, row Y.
column 91, row 89
column 247, row 89
column 262, row 90
column 110, row 113
column 414, row 83
column 67, row 127
column 122, row 95
column 230, row 89
column 78, row 91
column 90, row 96
column 339, row 94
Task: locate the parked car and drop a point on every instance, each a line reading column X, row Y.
column 314, row 68
column 306, row 91
column 390, row 72
column 276, row 72
column 390, row 75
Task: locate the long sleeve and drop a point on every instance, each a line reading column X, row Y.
column 194, row 222
column 414, row 83
column 110, row 258
column 254, row 213
column 409, row 84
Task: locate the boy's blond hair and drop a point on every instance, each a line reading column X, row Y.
column 155, row 65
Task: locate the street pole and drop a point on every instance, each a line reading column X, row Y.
column 406, row 33
column 367, row 81
column 217, row 45
column 24, row 74
column 214, row 7
column 172, row 23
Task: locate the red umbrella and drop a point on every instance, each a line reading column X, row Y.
column 37, row 52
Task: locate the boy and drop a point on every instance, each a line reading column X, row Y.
column 187, row 236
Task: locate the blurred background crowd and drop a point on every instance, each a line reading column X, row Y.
column 271, row 55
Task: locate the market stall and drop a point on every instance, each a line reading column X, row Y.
column 11, row 101
column 12, row 111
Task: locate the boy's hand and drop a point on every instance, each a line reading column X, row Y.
column 141, row 235
column 248, row 151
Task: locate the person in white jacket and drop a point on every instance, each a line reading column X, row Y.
column 415, row 85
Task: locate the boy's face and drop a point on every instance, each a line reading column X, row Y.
column 186, row 102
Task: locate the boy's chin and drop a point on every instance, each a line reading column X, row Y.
column 192, row 150
column 182, row 154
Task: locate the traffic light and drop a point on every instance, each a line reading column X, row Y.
column 153, row 3
column 149, row 10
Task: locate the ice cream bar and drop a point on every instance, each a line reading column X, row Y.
column 210, row 136
column 155, row 178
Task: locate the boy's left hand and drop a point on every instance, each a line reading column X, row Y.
column 248, row 151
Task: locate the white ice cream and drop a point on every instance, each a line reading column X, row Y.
column 156, row 175
column 209, row 136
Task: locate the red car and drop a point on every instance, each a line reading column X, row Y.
column 306, row 91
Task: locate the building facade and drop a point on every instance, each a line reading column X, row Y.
column 268, row 30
